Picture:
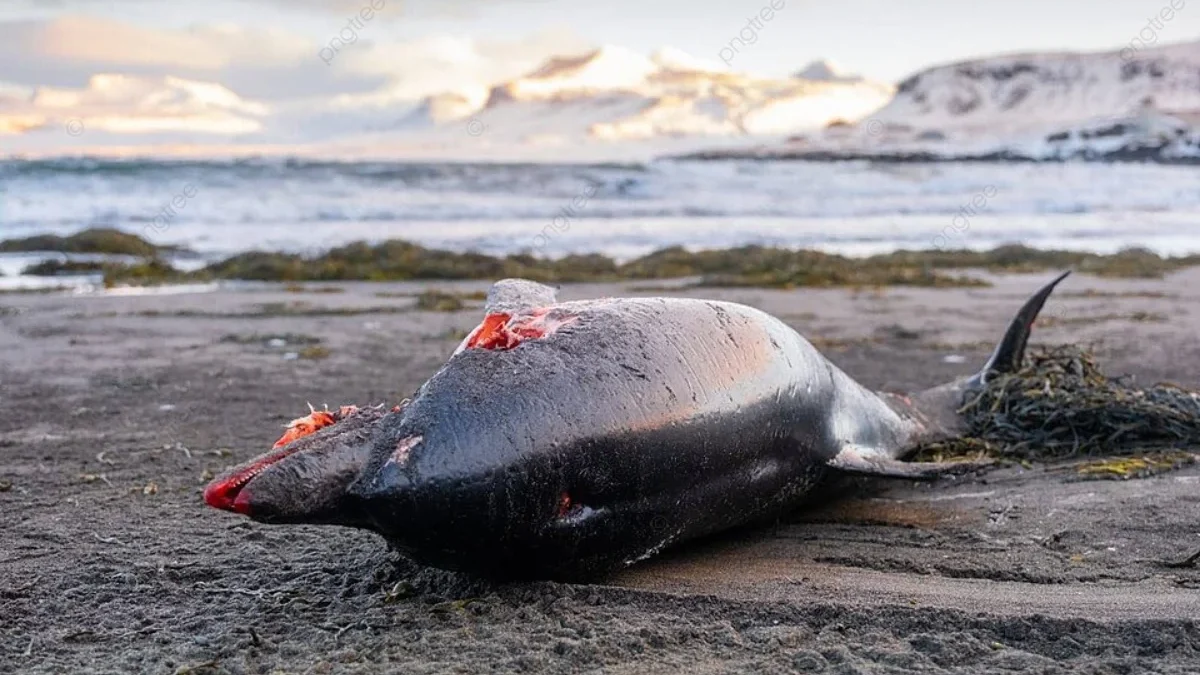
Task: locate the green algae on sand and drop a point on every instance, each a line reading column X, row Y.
column 744, row 266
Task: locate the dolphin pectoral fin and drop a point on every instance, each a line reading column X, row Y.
column 870, row 463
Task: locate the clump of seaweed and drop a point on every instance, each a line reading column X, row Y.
column 101, row 240
column 315, row 353
column 437, row 300
column 1129, row 263
column 58, row 268
column 762, row 266
column 434, row 300
column 322, row 290
column 1062, row 405
column 150, row 271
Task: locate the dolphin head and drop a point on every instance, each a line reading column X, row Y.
column 304, row 478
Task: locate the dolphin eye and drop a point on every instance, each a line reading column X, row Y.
column 571, row 513
column 564, row 504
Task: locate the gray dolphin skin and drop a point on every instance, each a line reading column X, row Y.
column 566, row 440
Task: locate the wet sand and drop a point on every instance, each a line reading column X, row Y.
column 116, row 410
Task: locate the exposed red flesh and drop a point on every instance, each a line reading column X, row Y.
column 226, row 493
column 311, row 424
column 493, row 333
column 499, row 332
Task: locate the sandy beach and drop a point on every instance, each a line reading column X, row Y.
column 119, row 408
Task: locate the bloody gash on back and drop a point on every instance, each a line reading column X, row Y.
column 569, row 439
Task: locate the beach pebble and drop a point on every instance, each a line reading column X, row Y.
column 954, row 358
column 291, row 356
column 276, row 343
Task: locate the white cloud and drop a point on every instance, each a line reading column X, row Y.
column 224, row 78
column 441, row 63
column 324, row 6
column 397, row 8
column 125, row 104
column 268, row 64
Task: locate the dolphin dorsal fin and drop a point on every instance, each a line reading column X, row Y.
column 512, row 296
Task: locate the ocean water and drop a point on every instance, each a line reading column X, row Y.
column 221, row 208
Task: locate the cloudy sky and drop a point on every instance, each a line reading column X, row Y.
column 268, row 52
column 880, row 38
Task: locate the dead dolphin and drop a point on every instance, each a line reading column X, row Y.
column 563, row 440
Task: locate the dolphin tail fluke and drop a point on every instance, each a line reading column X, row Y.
column 1010, row 352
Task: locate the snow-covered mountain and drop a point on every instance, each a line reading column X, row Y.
column 824, row 70
column 613, row 97
column 615, row 104
column 1055, row 106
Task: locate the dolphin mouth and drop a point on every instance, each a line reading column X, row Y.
column 228, row 493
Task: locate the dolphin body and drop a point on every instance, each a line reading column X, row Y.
column 565, row 440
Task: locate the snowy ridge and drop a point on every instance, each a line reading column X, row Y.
column 1056, row 106
column 613, row 99
column 824, row 70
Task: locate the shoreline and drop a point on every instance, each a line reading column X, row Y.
column 112, row 258
column 1002, row 157
column 746, row 153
